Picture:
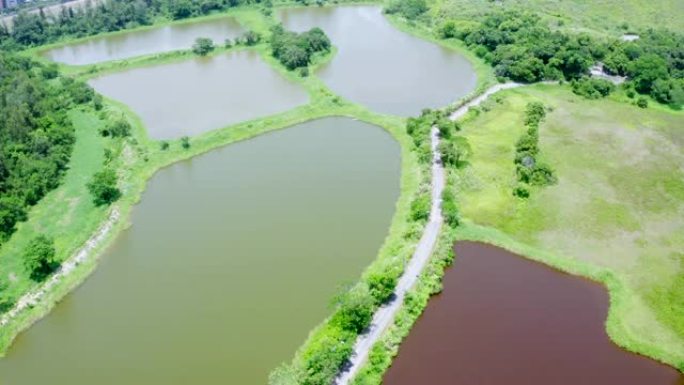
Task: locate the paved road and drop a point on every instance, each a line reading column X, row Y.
column 384, row 316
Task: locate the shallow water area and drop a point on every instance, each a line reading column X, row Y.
column 202, row 94
column 502, row 319
column 146, row 41
column 231, row 259
column 380, row 67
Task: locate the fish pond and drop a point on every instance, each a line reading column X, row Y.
column 502, row 319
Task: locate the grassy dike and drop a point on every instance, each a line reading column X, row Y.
column 138, row 157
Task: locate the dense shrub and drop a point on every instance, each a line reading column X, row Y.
column 354, row 309
column 118, row 128
column 420, row 208
column 642, row 102
column 592, row 88
column 295, row 50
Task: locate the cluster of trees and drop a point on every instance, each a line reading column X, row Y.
column 654, row 64
column 529, row 171
column 36, row 135
column 106, row 16
column 295, row 50
column 203, row 46
column 409, row 9
column 523, row 48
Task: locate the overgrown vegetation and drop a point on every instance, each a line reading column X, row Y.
column 36, row 136
column 295, row 50
column 528, row 169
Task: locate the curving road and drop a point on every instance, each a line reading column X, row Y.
column 384, row 316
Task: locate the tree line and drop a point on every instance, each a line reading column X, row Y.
column 32, row 29
column 521, row 47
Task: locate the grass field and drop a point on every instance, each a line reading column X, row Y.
column 579, row 15
column 617, row 209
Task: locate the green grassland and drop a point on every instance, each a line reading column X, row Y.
column 615, row 215
column 613, row 16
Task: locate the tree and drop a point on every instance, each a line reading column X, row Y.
column 646, row 70
column 203, row 46
column 103, row 187
column 39, row 257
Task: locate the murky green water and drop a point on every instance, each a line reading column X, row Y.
column 202, row 94
column 381, row 67
column 230, row 261
column 155, row 40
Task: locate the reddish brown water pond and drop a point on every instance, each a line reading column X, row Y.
column 502, row 319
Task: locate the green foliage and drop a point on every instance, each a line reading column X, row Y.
column 592, row 88
column 250, row 38
column 39, row 257
column 50, row 71
column 420, row 208
column 354, row 309
column 36, row 136
column 450, row 208
column 295, row 50
column 409, row 9
column 163, row 145
column 203, row 46
column 103, row 187
column 381, row 285
column 448, row 30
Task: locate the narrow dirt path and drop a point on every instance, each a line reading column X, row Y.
column 384, row 316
